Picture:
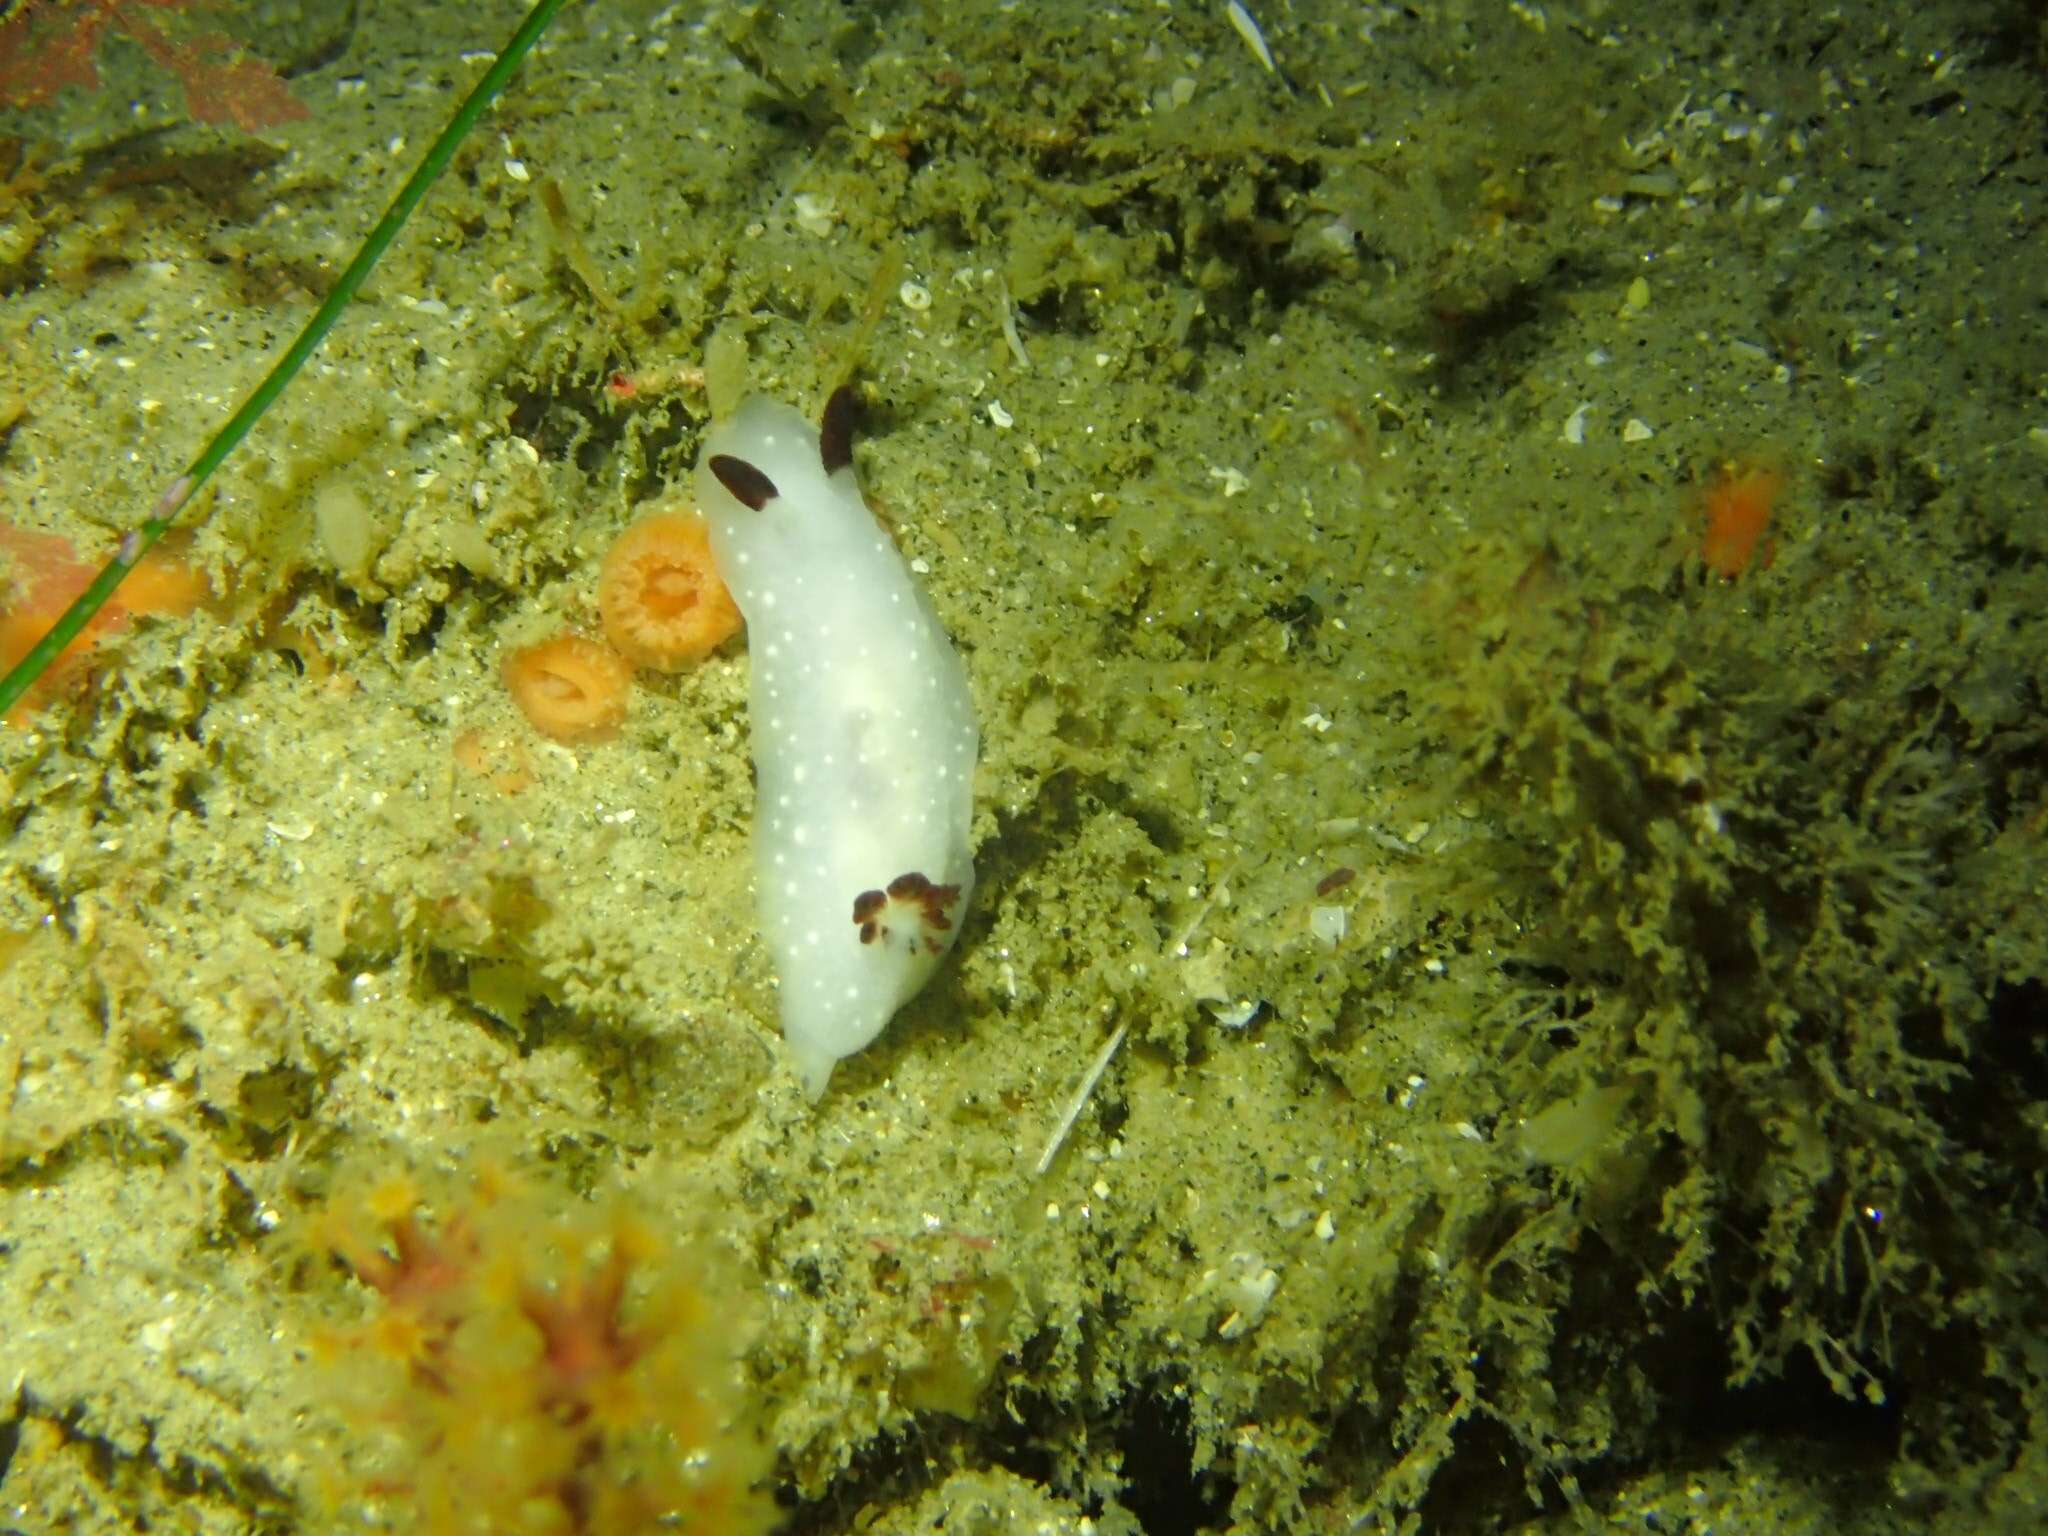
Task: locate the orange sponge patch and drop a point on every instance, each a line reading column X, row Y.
column 43, row 576
column 660, row 595
column 570, row 687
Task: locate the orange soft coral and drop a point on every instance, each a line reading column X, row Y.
column 660, row 595
column 43, row 576
column 571, row 688
column 1736, row 508
column 534, row 1363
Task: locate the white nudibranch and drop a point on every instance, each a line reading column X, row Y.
column 863, row 731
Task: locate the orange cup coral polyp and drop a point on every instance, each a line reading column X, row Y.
column 660, row 595
column 571, row 688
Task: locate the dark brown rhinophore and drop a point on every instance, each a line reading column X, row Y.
column 749, row 487
column 835, row 429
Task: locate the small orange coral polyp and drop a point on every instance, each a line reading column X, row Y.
column 660, row 595
column 1737, row 508
column 570, row 688
column 498, row 758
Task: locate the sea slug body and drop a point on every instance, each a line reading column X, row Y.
column 863, row 731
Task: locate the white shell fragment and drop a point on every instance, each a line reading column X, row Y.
column 1254, row 39
column 1245, row 1284
column 1328, row 924
column 1238, row 1014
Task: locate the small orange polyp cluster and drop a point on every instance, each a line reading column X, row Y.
column 663, row 606
column 660, row 595
column 571, row 688
column 538, row 1365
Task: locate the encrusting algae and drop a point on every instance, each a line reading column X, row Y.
column 1497, row 1002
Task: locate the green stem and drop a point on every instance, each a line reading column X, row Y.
column 136, row 543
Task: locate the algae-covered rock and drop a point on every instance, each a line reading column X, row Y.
column 1496, row 996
